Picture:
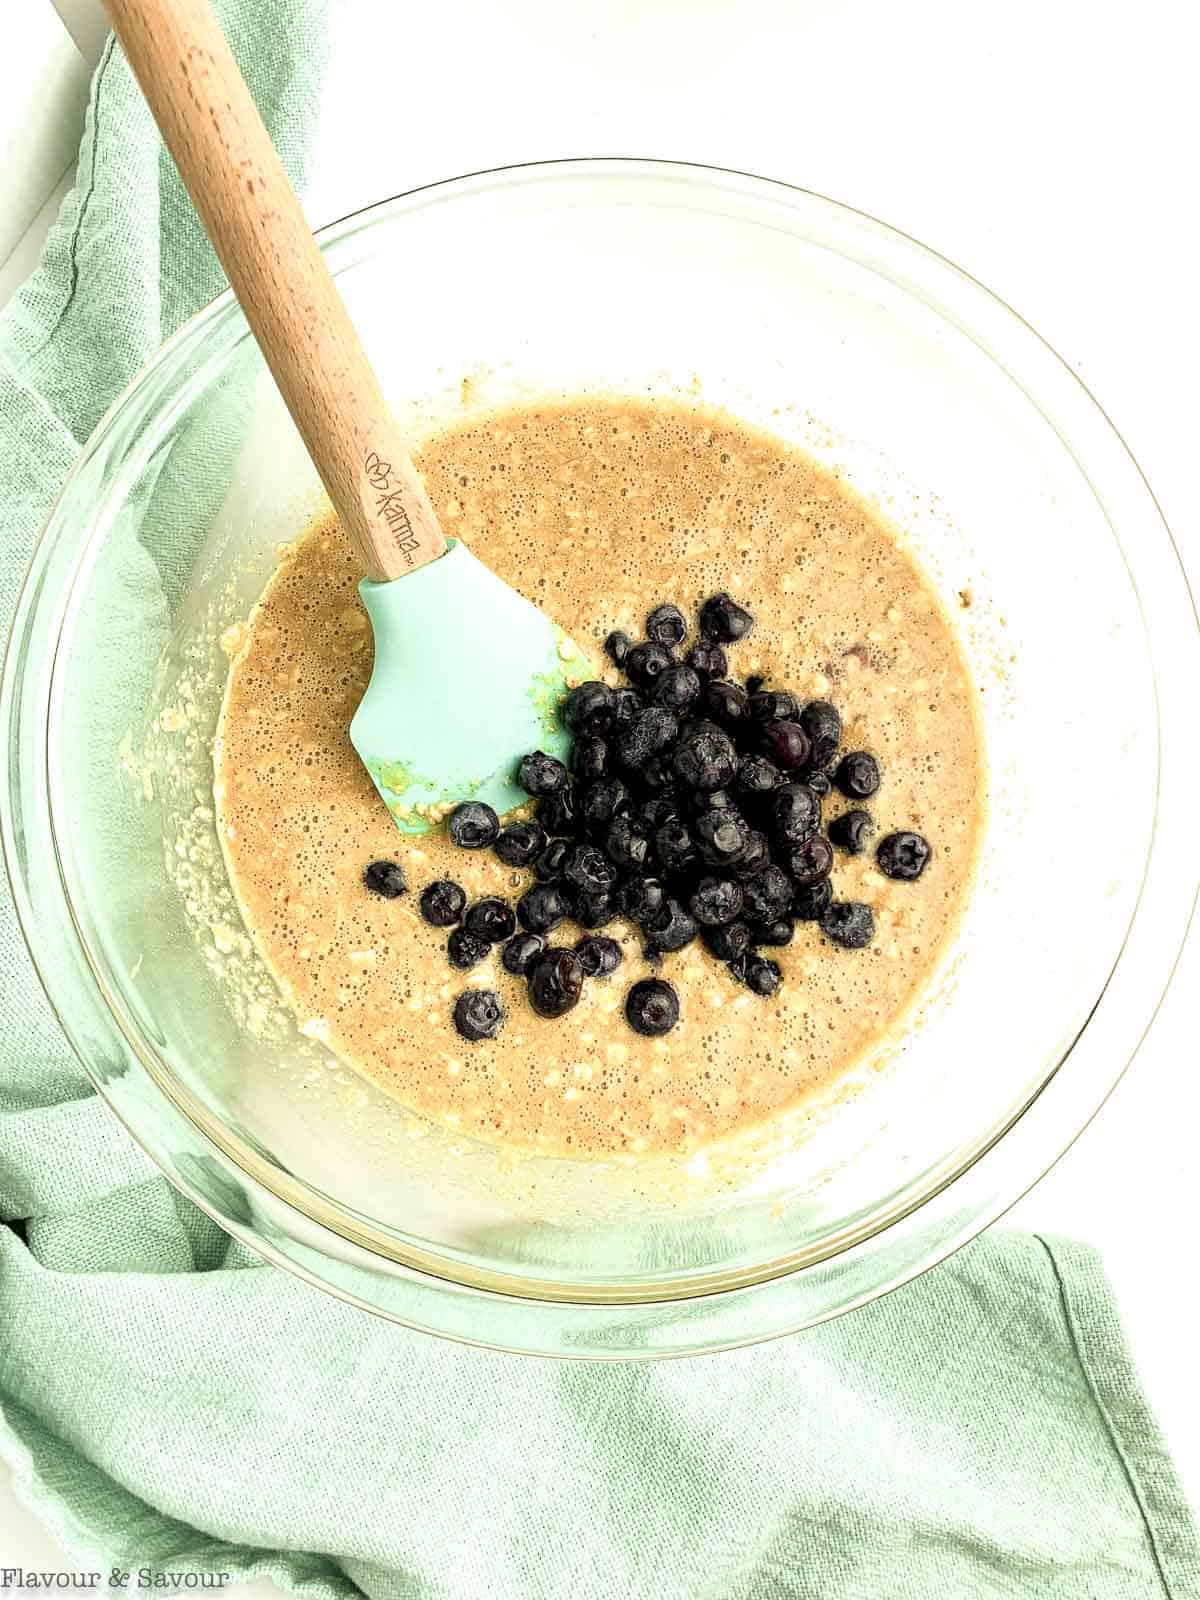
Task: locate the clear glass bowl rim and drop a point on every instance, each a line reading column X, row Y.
column 428, row 1298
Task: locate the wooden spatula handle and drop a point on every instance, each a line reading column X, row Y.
column 250, row 212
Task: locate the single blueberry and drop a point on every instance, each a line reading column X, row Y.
column 768, row 896
column 818, row 782
column 653, row 730
column 775, row 933
column 626, row 705
column 857, row 775
column 549, row 865
column 795, row 813
column 616, row 647
column 521, row 951
column 849, row 924
column 823, row 725
column 671, row 929
column 491, row 919
column 677, row 688
column 642, row 899
column 558, row 813
column 592, row 909
column 443, row 902
column 646, row 662
column 754, row 857
column 811, row 861
column 589, row 870
column 659, row 808
column 707, row 659
column 903, row 855
column 729, row 942
column 772, row 705
column 658, row 776
column 721, row 836
column 628, row 844
column 589, row 757
column 598, row 955
column 851, row 831
column 589, row 707
column 674, row 846
column 603, row 801
column 541, row 908
column 555, row 982
column 760, row 976
column 667, row 625
column 756, row 777
column 652, row 1007
column 478, row 1014
column 716, row 901
column 520, row 843
column 541, row 774
column 473, row 825
column 811, row 904
column 704, row 758
column 722, row 618
column 786, row 743
column 725, row 701
column 466, row 949
column 385, row 878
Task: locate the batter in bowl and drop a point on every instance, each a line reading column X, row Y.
column 598, row 511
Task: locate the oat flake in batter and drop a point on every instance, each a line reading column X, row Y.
column 597, row 511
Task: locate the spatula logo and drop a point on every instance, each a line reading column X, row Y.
column 390, row 503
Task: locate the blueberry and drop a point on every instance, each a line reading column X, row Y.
column 541, row 908
column 616, row 647
column 598, row 956
column 642, row 899
column 707, row 659
column 589, row 757
column 675, row 847
column 851, row 830
column 721, row 836
column 756, row 776
column 757, row 973
column 628, row 845
column 811, row 861
column 849, row 924
column 768, row 896
column 602, row 802
column 667, row 625
column 659, row 808
column 704, row 758
column 722, row 618
column 658, row 775
column 473, row 825
column 671, row 929
column 754, row 857
column 385, row 878
column 559, row 812
column 588, row 708
column 478, row 1014
column 520, row 843
column 776, row 933
column 823, row 725
column 729, row 942
column 652, row 1007
column 541, row 774
column 646, row 662
column 857, row 775
column 589, row 870
column 755, row 682
column 903, row 855
column 725, row 701
column 677, row 688
column 772, row 705
column 795, row 813
column 466, row 949
column 626, row 705
column 491, row 919
column 555, row 982
column 786, row 743
column 711, row 800
column 650, row 732
column 592, row 909
column 521, row 951
column 549, row 865
column 716, row 901
column 443, row 902
column 811, row 904
column 818, row 782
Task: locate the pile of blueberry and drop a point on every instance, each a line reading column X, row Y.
column 692, row 806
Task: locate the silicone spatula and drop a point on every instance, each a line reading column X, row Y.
column 467, row 672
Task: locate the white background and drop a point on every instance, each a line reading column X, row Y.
column 1049, row 146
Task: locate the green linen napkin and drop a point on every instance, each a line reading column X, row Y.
column 171, row 1405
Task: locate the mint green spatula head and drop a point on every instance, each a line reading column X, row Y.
column 468, row 678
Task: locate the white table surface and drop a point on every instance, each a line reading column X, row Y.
column 1050, row 149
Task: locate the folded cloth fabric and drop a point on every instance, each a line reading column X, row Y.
column 169, row 1404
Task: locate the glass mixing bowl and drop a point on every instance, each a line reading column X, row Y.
column 999, row 472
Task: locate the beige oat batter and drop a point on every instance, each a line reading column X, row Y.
column 597, row 511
